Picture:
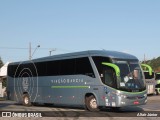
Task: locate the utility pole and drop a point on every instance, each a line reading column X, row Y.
column 144, row 58
column 50, row 52
column 30, row 51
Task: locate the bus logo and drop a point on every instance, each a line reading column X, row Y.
column 25, row 84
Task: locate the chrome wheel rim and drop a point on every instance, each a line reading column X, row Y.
column 26, row 100
column 93, row 103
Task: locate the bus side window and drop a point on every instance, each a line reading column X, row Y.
column 53, row 68
column 67, row 67
column 98, row 62
column 109, row 77
column 83, row 66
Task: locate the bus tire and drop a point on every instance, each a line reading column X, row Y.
column 26, row 100
column 157, row 92
column 91, row 103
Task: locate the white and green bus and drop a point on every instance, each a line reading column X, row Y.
column 157, row 87
column 149, row 78
column 93, row 79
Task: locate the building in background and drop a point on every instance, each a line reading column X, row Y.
column 3, row 76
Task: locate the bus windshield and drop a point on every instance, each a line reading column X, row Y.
column 125, row 75
column 131, row 78
column 148, row 76
column 128, row 79
column 157, row 76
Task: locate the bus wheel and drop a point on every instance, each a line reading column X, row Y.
column 91, row 103
column 158, row 91
column 26, row 100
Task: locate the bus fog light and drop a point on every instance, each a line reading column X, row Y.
column 123, row 103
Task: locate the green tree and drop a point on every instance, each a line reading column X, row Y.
column 154, row 63
column 1, row 62
column 4, row 82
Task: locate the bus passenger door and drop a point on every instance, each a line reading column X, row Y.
column 109, row 79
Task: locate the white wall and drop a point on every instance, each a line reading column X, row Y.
column 3, row 73
column 1, row 94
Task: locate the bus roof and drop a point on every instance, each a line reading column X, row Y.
column 104, row 53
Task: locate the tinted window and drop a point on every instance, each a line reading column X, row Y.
column 21, row 70
column 157, row 76
column 83, row 66
column 147, row 76
column 11, row 68
column 109, row 77
column 53, row 68
column 98, row 61
column 106, row 73
column 41, row 68
column 67, row 67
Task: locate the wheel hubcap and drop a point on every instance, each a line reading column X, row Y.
column 26, row 100
column 93, row 103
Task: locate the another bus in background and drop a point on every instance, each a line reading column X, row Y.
column 149, row 78
column 157, row 87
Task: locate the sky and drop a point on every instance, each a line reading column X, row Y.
column 131, row 26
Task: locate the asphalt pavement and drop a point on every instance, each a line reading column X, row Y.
column 149, row 111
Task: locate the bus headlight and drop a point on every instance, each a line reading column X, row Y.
column 123, row 96
column 119, row 94
column 145, row 95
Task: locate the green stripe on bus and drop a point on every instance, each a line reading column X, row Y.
column 69, row 86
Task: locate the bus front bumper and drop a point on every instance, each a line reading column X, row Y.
column 132, row 100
